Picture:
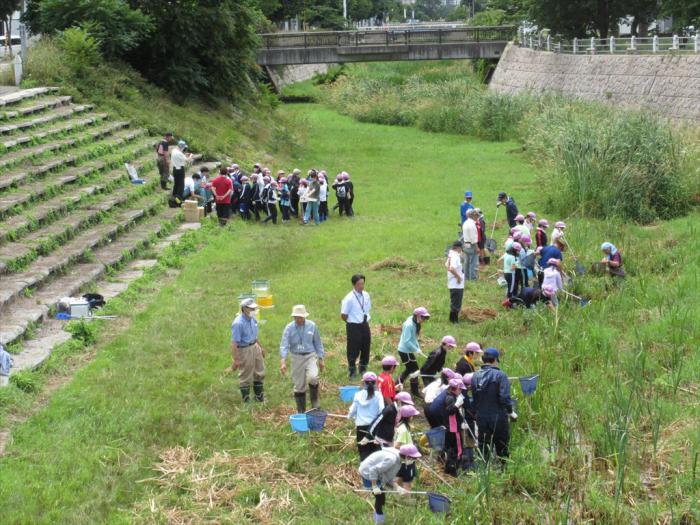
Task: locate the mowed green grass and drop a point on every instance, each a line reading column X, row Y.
column 612, row 432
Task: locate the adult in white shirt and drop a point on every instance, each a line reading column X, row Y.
column 179, row 160
column 455, row 280
column 355, row 311
column 470, row 238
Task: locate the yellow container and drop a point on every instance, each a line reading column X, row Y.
column 264, row 301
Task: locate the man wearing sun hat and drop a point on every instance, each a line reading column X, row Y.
column 246, row 351
column 302, row 341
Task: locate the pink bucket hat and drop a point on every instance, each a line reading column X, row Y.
column 369, row 377
column 456, row 382
column 474, row 347
column 421, row 311
column 560, row 224
column 544, row 223
column 517, row 246
column 404, row 397
column 410, row 450
column 532, row 214
column 519, row 217
column 449, row 341
column 389, row 360
column 408, row 411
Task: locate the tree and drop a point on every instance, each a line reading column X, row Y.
column 204, row 48
column 684, row 12
column 7, row 8
column 113, row 23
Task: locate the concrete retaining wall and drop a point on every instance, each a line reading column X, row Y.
column 665, row 83
column 284, row 75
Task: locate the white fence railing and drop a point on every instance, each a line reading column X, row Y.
column 612, row 45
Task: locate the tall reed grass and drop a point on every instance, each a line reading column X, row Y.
column 595, row 161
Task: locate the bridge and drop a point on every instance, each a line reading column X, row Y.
column 372, row 45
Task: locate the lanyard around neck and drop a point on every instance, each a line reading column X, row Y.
column 361, row 303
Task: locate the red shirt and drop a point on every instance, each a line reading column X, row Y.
column 222, row 185
column 386, row 385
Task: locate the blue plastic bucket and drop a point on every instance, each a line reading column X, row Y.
column 347, row 393
column 316, row 419
column 436, row 438
column 438, row 502
column 299, row 422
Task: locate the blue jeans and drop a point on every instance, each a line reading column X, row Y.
column 471, row 263
column 312, row 207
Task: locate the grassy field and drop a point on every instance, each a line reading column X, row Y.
column 152, row 430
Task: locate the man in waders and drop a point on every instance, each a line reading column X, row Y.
column 247, row 353
column 302, row 340
column 355, row 311
column 493, row 406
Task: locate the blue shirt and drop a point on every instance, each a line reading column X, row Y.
column 491, row 389
column 408, row 344
column 464, row 208
column 303, row 339
column 244, row 330
column 550, row 252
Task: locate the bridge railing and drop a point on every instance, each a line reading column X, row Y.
column 613, row 45
column 387, row 37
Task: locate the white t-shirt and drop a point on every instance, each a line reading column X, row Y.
column 454, row 259
column 557, row 234
column 189, row 184
column 178, row 158
column 469, row 232
column 356, row 306
column 324, row 192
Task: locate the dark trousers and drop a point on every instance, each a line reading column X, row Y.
column 245, row 210
column 365, row 450
column 452, row 458
column 179, row 184
column 271, row 213
column 340, row 206
column 456, row 295
column 513, row 280
column 285, row 212
column 323, row 210
column 359, row 341
column 524, row 281
column 493, row 434
column 410, row 365
column 348, row 207
column 294, row 201
column 379, row 501
column 255, row 208
column 223, row 212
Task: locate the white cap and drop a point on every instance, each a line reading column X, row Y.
column 249, row 303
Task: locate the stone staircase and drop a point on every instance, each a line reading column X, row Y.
column 68, row 211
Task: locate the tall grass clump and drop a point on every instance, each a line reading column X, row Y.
column 434, row 97
column 604, row 163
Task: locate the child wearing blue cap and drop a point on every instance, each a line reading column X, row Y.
column 466, row 206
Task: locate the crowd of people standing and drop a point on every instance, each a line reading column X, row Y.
column 258, row 195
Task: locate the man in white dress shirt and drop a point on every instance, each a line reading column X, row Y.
column 355, row 311
column 470, row 238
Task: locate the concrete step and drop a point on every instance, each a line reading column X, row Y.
column 23, row 175
column 39, row 272
column 35, row 107
column 42, row 134
column 26, row 155
column 42, row 213
column 44, row 240
column 30, row 311
column 58, row 114
column 11, row 202
column 25, row 94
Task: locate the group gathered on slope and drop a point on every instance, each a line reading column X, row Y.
column 257, row 195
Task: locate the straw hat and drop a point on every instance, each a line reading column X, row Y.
column 299, row 310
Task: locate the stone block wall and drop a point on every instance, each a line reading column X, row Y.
column 664, row 83
column 285, row 75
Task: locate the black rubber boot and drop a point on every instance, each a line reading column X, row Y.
column 415, row 388
column 245, row 394
column 363, row 369
column 258, row 389
column 300, row 398
column 352, row 372
column 313, row 396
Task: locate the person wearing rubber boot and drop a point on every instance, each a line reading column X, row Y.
column 379, row 470
column 408, row 348
column 248, row 355
column 355, row 311
column 302, row 341
column 492, row 406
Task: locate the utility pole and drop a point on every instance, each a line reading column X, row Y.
column 23, row 31
column 345, row 9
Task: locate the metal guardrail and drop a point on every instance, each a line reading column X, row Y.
column 388, row 37
column 613, row 45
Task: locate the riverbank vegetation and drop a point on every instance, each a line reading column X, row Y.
column 603, row 161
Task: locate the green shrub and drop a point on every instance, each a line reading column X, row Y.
column 25, row 381
column 80, row 49
column 83, row 331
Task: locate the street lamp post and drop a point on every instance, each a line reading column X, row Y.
column 23, row 31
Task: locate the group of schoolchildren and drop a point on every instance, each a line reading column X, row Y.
column 532, row 262
column 261, row 197
column 471, row 407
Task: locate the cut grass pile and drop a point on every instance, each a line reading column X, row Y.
column 610, row 436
